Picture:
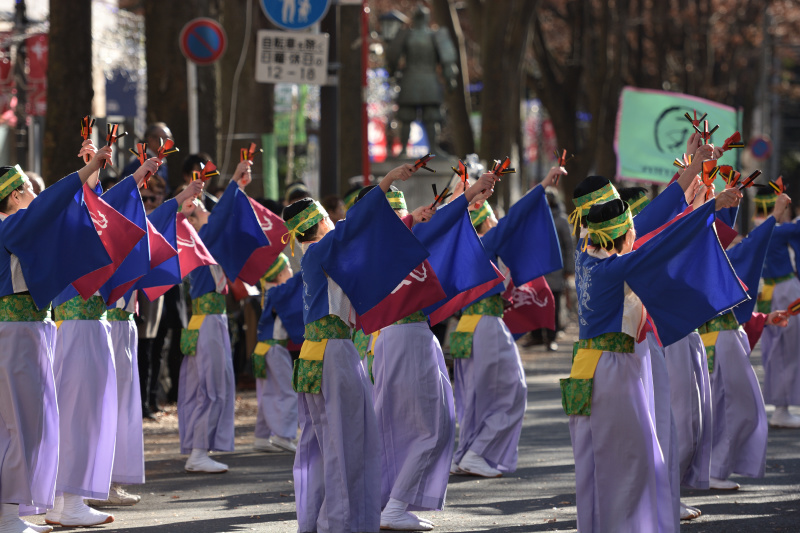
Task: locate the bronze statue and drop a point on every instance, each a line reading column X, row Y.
column 423, row 50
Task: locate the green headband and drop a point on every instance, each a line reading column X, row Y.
column 604, row 232
column 583, row 203
column 350, row 199
column 765, row 203
column 298, row 224
column 11, row 181
column 277, row 267
column 480, row 215
column 396, row 200
column 638, row 204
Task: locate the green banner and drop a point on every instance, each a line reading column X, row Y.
column 652, row 131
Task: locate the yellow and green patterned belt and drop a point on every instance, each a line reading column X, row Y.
column 307, row 371
column 77, row 309
column 461, row 338
column 119, row 315
column 764, row 303
column 710, row 331
column 413, row 318
column 492, row 306
column 576, row 390
column 20, row 308
column 211, row 303
column 259, row 358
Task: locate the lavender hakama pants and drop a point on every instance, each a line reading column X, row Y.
column 128, row 466
column 621, row 479
column 207, row 391
column 690, row 396
column 277, row 401
column 336, row 468
column 86, row 383
column 28, row 416
column 665, row 425
column 780, row 350
column 491, row 396
column 415, row 414
column 739, row 442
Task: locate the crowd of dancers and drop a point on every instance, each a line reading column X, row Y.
column 661, row 393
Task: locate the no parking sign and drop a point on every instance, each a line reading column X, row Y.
column 203, row 41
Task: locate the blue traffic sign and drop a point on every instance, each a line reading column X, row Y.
column 295, row 14
column 203, row 41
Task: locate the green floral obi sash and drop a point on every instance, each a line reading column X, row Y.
column 259, row 357
column 764, row 303
column 710, row 331
column 211, row 303
column 20, row 308
column 576, row 390
column 77, row 309
column 307, row 371
column 365, row 346
column 413, row 318
column 119, row 315
column 461, row 338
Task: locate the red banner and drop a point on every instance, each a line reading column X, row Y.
column 532, row 307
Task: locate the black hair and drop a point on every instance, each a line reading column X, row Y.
column 192, row 160
column 631, row 193
column 589, row 185
column 363, row 192
column 4, row 201
column 606, row 211
column 295, row 209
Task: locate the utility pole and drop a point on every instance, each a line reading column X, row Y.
column 21, row 82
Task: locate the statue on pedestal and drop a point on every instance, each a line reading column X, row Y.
column 422, row 51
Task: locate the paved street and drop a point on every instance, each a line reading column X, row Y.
column 257, row 493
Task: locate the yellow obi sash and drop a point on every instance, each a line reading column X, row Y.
column 576, row 390
column 20, row 308
column 259, row 357
column 710, row 331
column 461, row 338
column 307, row 371
column 211, row 303
column 119, row 315
column 77, row 309
column 764, row 303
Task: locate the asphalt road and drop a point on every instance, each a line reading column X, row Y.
column 257, row 493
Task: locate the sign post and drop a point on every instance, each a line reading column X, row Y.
column 202, row 42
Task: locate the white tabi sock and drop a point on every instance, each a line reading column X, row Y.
column 198, row 453
column 9, row 519
column 395, row 508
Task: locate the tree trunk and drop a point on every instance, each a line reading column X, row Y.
column 166, row 77
column 69, row 65
column 254, row 112
column 350, row 96
column 457, row 101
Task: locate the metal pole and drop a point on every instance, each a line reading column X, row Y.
column 365, row 163
column 191, row 89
